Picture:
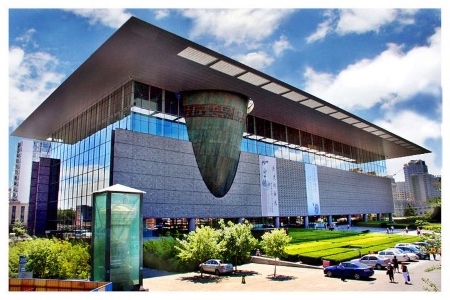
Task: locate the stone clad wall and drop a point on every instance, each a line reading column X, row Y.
column 166, row 170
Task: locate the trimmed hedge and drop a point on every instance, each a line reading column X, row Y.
column 341, row 246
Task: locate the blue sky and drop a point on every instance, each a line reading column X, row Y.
column 383, row 65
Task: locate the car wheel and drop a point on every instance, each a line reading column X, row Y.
column 217, row 272
column 357, row 276
column 330, row 274
column 378, row 267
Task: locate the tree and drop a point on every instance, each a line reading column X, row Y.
column 274, row 243
column 200, row 245
column 238, row 241
column 409, row 211
column 19, row 228
column 51, row 258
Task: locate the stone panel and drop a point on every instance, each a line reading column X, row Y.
column 175, row 188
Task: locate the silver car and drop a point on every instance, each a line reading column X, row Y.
column 376, row 261
column 216, row 266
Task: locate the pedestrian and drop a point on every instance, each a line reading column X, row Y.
column 405, row 273
column 390, row 272
column 418, row 230
column 387, row 230
column 342, row 273
column 258, row 253
column 392, row 229
column 395, row 264
column 433, row 252
column 406, row 229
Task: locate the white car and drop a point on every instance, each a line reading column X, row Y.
column 216, row 266
column 403, row 245
column 411, row 256
column 390, row 253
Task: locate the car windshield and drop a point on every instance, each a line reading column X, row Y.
column 359, row 265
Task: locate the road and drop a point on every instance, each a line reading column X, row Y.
column 259, row 278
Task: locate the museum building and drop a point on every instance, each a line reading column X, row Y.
column 205, row 137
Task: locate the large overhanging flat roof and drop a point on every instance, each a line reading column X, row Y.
column 143, row 52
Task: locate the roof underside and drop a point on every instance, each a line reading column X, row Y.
column 148, row 54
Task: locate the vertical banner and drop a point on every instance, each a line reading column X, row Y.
column 312, row 190
column 269, row 186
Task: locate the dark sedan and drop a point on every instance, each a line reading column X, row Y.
column 354, row 270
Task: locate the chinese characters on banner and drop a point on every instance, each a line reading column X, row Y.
column 269, row 186
column 312, row 190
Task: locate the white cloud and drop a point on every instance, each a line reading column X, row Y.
column 415, row 128
column 391, row 77
column 364, row 20
column 161, row 14
column 358, row 21
column 258, row 60
column 27, row 38
column 32, row 78
column 237, row 26
column 281, row 45
column 323, row 29
column 113, row 18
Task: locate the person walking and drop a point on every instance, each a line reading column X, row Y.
column 395, row 264
column 390, row 272
column 405, row 273
column 341, row 268
column 433, row 252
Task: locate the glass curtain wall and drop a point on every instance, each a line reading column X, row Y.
column 83, row 145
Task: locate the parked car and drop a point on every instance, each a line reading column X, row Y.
column 216, row 266
column 423, row 245
column 411, row 256
column 390, row 253
column 354, row 270
column 415, row 250
column 403, row 244
column 373, row 260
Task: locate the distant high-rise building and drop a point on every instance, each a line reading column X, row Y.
column 420, row 186
column 28, row 151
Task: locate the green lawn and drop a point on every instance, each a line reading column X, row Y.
column 311, row 246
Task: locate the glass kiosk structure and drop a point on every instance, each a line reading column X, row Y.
column 117, row 237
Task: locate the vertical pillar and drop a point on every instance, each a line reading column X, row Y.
column 330, row 220
column 349, row 220
column 306, row 222
column 191, row 224
column 277, row 222
column 390, row 217
column 365, row 217
column 378, row 217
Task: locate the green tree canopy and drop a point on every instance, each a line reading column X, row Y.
column 51, row 258
column 238, row 241
column 274, row 243
column 200, row 245
column 19, row 228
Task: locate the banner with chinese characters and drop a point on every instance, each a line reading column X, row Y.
column 312, row 190
column 269, row 186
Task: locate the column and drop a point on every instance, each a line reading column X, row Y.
column 277, row 222
column 191, row 224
